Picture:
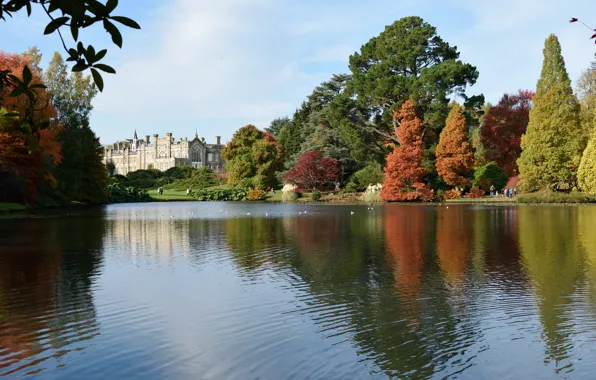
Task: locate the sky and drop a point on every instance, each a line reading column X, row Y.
column 215, row 66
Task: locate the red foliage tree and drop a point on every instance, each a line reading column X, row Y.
column 502, row 128
column 26, row 153
column 455, row 157
column 313, row 171
column 404, row 172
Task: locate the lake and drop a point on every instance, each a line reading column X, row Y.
column 268, row 291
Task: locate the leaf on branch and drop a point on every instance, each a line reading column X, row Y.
column 126, row 21
column 100, row 54
column 594, row 36
column 16, row 92
column 80, row 66
column 97, row 79
column 12, row 114
column 573, row 19
column 111, row 5
column 114, row 32
column 27, row 75
column 75, row 31
column 106, row 68
column 38, row 85
column 55, row 24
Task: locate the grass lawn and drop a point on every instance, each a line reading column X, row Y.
column 483, row 200
column 12, row 207
column 170, row 195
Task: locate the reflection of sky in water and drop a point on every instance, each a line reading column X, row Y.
column 203, row 290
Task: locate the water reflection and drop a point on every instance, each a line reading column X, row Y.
column 400, row 291
column 47, row 272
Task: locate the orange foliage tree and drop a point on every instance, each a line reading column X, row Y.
column 404, row 172
column 455, row 157
column 28, row 150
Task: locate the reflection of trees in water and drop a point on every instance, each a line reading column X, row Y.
column 548, row 243
column 453, row 242
column 366, row 273
column 47, row 269
column 586, row 224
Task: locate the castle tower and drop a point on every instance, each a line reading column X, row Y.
column 135, row 141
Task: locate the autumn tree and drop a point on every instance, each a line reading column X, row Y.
column 252, row 158
column 586, row 173
column 404, row 173
column 36, row 132
column 553, row 143
column 502, row 128
column 586, row 94
column 455, row 158
column 81, row 175
column 313, row 171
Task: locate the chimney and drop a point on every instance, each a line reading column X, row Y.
column 155, row 137
column 169, row 136
column 218, row 138
column 147, row 140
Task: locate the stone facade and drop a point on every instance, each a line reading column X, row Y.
column 164, row 153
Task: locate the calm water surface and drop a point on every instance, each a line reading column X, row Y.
column 205, row 291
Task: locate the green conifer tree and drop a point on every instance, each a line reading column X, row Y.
column 586, row 174
column 553, row 143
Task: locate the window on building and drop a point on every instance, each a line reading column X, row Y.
column 210, row 157
column 195, row 154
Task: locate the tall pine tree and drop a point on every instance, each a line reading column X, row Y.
column 553, row 143
column 81, row 176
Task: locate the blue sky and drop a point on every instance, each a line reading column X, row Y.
column 218, row 65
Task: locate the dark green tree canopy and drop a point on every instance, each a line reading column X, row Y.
column 277, row 124
column 409, row 60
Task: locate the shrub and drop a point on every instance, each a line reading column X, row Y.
column 316, row 196
column 490, row 174
column 475, row 193
column 440, row 195
column 371, row 174
column 314, row 171
column 289, row 196
column 256, row 195
column 119, row 193
column 199, row 179
column 373, row 193
column 351, row 187
column 451, row 194
column 556, row 197
column 221, row 194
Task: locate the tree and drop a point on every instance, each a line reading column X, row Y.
column 81, row 175
column 408, row 60
column 404, row 172
column 502, row 128
column 277, row 124
column 63, row 14
column 314, row 172
column 33, row 135
column 586, row 93
column 252, row 158
column 553, row 143
column 586, row 174
column 489, row 175
column 455, row 158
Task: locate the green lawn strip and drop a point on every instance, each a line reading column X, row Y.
column 12, row 207
column 170, row 195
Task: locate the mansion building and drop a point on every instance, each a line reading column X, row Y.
column 164, row 153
